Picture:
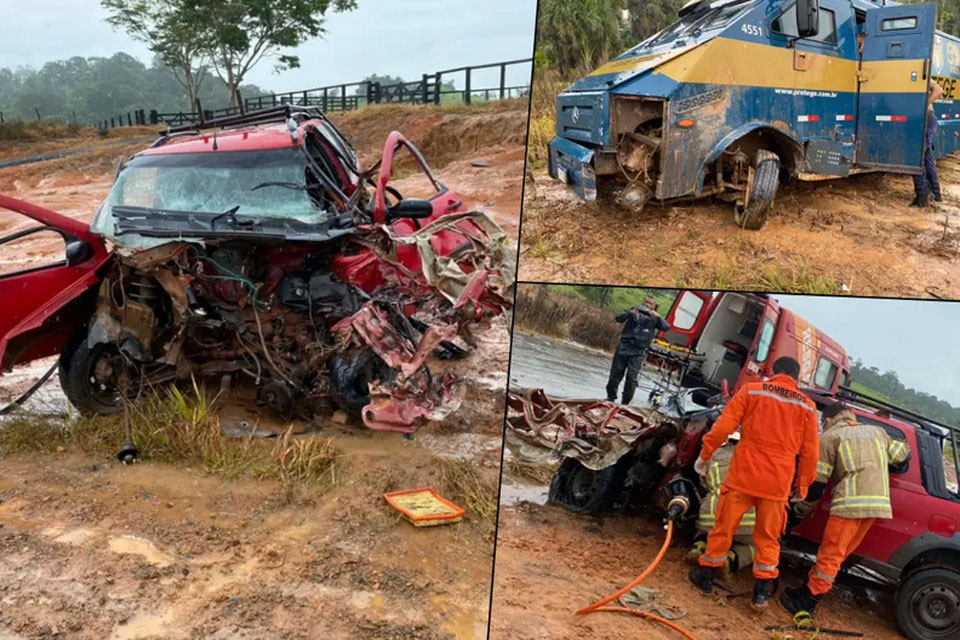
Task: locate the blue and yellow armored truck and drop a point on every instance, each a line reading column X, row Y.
column 739, row 93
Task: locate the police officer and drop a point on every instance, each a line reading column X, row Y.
column 928, row 182
column 640, row 325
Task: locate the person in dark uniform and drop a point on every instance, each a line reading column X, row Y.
column 928, row 182
column 640, row 326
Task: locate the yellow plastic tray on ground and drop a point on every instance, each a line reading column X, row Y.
column 424, row 507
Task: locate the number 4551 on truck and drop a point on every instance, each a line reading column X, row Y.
column 740, row 93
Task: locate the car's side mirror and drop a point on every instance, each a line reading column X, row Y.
column 78, row 251
column 410, row 208
column 808, row 18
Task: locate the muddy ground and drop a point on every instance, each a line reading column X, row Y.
column 853, row 235
column 92, row 549
column 551, row 562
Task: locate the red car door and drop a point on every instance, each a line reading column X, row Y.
column 36, row 320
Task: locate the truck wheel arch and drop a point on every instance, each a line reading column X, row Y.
column 756, row 136
column 924, row 550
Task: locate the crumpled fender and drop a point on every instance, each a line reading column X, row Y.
column 735, row 135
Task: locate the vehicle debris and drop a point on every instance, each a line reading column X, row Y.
column 281, row 260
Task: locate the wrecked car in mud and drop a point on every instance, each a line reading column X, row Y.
column 256, row 246
column 613, row 457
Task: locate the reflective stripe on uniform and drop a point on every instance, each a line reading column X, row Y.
column 710, row 560
column 764, row 567
column 884, row 461
column 824, row 576
column 861, row 501
column 825, row 468
column 895, row 449
column 758, row 392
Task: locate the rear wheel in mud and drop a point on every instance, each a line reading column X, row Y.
column 928, row 605
column 583, row 490
column 92, row 377
column 760, row 193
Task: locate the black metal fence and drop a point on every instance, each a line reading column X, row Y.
column 432, row 88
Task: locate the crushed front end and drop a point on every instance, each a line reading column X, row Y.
column 311, row 285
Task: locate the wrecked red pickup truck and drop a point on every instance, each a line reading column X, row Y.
column 255, row 245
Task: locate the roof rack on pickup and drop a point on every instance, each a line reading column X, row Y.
column 280, row 113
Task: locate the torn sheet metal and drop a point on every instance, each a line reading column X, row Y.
column 595, row 432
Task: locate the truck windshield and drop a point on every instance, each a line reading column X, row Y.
column 703, row 17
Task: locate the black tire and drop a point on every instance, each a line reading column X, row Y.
column 928, row 605
column 350, row 377
column 584, row 490
column 766, row 179
column 77, row 365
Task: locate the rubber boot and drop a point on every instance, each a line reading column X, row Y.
column 919, row 201
column 797, row 599
column 938, row 197
column 702, row 578
column 763, row 590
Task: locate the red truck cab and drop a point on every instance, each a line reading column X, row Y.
column 733, row 338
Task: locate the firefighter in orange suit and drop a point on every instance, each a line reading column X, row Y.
column 856, row 456
column 777, row 422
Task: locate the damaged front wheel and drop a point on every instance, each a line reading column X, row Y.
column 92, row 377
column 761, row 191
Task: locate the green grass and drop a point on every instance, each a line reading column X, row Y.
column 623, row 297
column 176, row 427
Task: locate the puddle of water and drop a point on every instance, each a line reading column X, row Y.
column 459, row 446
column 75, row 536
column 144, row 626
column 48, row 400
column 513, row 493
column 140, row 547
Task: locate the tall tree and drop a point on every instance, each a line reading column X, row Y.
column 173, row 29
column 578, row 35
column 241, row 33
column 647, row 18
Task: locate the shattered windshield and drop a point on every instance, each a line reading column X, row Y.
column 710, row 15
column 265, row 183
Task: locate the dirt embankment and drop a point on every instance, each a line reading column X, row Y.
column 853, row 235
column 478, row 152
column 550, row 563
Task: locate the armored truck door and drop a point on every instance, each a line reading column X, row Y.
column 894, row 76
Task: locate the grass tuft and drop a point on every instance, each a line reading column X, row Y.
column 464, row 483
column 176, row 427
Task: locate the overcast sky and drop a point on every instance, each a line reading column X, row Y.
column 404, row 38
column 917, row 339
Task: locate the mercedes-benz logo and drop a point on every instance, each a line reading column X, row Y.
column 576, row 115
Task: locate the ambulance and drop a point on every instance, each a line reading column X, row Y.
column 732, row 338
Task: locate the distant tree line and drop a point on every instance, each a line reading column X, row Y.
column 86, row 90
column 888, row 384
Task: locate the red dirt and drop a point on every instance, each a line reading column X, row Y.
column 823, row 237
column 550, row 563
